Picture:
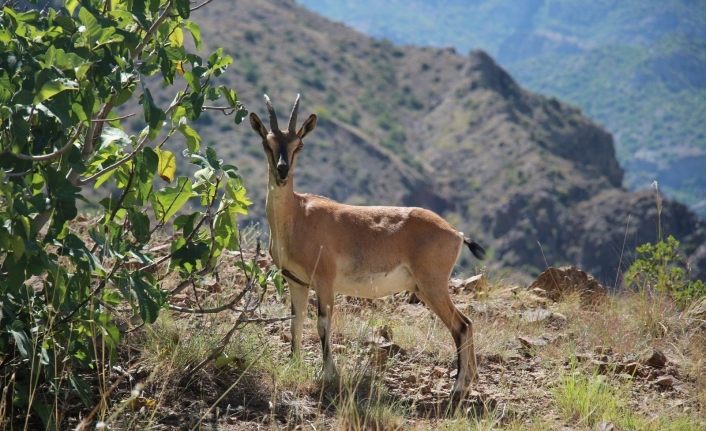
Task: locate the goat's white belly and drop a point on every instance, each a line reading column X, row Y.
column 375, row 285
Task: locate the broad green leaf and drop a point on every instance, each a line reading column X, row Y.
column 195, row 31
column 183, row 8
column 225, row 229
column 139, row 225
column 21, row 340
column 186, row 223
column 192, row 80
column 53, row 87
column 18, row 247
column 153, row 115
column 70, row 6
column 169, row 200
column 91, row 26
column 237, row 193
column 229, row 94
column 167, row 165
column 149, row 298
column 114, row 135
column 193, row 139
column 82, row 388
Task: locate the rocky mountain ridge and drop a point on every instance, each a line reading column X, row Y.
column 528, row 175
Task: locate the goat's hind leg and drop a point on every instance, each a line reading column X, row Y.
column 325, row 311
column 437, row 298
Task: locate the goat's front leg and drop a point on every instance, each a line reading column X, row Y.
column 325, row 309
column 300, row 297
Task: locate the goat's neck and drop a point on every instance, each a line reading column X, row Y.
column 281, row 205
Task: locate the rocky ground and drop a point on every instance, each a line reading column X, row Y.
column 584, row 361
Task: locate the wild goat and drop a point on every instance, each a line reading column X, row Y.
column 362, row 251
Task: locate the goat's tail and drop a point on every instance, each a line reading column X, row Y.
column 475, row 248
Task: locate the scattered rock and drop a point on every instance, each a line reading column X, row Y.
column 554, row 283
column 479, row 308
column 583, row 357
column 558, row 317
column 385, row 332
column 536, row 315
column 602, row 367
column 475, row 283
column 630, row 368
column 338, row 348
column 606, row 426
column 439, row 372
column 493, row 358
column 455, row 284
column 665, row 381
column 655, row 359
column 532, row 342
column 603, row 350
column 378, row 355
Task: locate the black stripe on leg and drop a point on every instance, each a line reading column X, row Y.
column 324, row 337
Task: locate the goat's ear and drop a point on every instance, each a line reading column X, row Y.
column 257, row 125
column 307, row 127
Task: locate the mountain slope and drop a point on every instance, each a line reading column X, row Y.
column 425, row 126
column 635, row 66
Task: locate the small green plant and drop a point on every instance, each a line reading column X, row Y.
column 588, row 400
column 659, row 267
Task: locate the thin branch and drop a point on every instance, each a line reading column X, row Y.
column 221, row 346
column 55, row 154
column 122, row 117
column 92, row 294
column 126, row 190
column 132, row 155
column 227, row 306
column 225, row 110
column 201, row 5
column 207, row 215
column 96, row 129
column 114, row 165
column 181, row 286
column 16, row 174
column 153, row 28
column 267, row 319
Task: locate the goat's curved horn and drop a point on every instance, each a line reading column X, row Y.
column 273, row 115
column 293, row 117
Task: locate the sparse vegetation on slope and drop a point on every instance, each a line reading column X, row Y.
column 632, row 360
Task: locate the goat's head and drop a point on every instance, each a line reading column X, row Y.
column 282, row 146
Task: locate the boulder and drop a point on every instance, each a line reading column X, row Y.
column 654, row 359
column 555, row 283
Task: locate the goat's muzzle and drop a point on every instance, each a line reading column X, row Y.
column 282, row 168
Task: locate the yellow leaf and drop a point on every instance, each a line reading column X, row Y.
column 166, row 168
column 177, row 37
column 180, row 67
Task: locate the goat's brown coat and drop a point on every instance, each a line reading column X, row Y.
column 366, row 251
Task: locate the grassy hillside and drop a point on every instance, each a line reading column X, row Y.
column 543, row 365
column 527, row 175
column 636, row 67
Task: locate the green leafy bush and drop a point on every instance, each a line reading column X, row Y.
column 64, row 74
column 660, row 267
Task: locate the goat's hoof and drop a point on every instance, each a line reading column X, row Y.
column 456, row 398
